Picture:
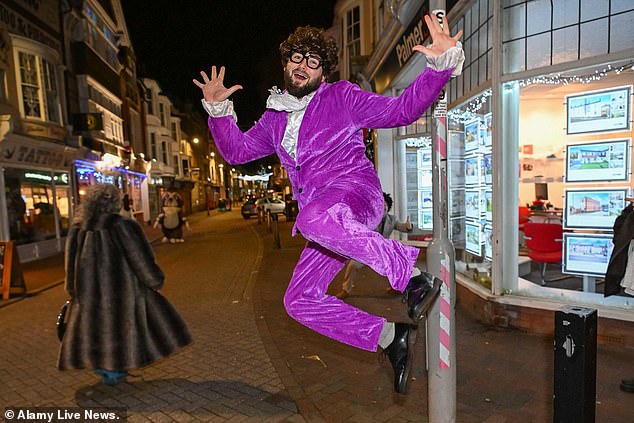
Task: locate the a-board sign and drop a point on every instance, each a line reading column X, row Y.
column 10, row 271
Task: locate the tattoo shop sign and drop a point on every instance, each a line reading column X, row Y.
column 50, row 157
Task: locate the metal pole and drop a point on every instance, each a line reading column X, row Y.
column 441, row 326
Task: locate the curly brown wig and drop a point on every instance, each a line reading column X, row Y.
column 308, row 39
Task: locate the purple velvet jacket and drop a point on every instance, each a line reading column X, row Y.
column 330, row 148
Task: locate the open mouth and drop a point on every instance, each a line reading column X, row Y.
column 300, row 76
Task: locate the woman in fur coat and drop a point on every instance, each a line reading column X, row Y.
column 117, row 319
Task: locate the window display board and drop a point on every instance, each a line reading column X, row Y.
column 591, row 204
column 598, row 161
column 474, row 238
column 456, row 182
column 419, row 182
column 488, row 242
column 586, row 254
column 472, row 135
column 477, row 164
column 598, row 111
column 593, row 208
column 425, row 217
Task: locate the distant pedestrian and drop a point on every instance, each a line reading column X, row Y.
column 388, row 224
column 117, row 320
column 127, row 210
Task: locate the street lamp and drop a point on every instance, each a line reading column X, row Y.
column 196, row 140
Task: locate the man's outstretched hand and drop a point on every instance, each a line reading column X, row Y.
column 441, row 39
column 213, row 88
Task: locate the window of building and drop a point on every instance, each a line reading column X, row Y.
column 174, row 131
column 477, row 42
column 574, row 176
column 470, row 181
column 153, row 146
column 352, row 38
column 38, row 204
column 185, row 164
column 418, row 182
column 100, row 37
column 150, row 102
column 100, row 100
column 164, row 152
column 162, row 114
column 540, row 33
column 3, row 84
column 38, row 87
column 383, row 17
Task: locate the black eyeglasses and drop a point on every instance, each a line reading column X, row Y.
column 312, row 61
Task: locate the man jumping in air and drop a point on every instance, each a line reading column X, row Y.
column 315, row 128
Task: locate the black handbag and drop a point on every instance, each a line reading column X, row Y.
column 62, row 320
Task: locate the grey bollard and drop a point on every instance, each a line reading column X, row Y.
column 276, row 230
column 574, row 400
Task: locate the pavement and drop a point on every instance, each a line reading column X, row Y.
column 251, row 362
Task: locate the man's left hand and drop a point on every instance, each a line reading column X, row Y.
column 441, row 39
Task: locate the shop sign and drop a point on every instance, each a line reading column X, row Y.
column 46, row 11
column 88, row 121
column 415, row 33
column 59, row 177
column 29, row 155
column 440, row 108
column 45, row 131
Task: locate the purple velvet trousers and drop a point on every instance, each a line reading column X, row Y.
column 338, row 225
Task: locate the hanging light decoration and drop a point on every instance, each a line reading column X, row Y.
column 468, row 112
column 559, row 79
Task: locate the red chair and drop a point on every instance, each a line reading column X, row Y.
column 524, row 216
column 544, row 243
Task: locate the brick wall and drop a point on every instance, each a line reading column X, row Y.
column 612, row 332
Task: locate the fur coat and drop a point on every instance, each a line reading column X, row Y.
column 117, row 318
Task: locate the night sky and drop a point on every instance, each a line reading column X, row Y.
column 175, row 40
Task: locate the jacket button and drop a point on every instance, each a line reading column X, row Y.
column 298, row 167
column 300, row 190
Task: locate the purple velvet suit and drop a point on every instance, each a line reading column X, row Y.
column 339, row 195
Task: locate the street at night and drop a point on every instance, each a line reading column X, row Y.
column 251, row 362
column 400, row 211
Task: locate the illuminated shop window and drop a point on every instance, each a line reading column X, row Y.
column 35, row 199
column 470, row 181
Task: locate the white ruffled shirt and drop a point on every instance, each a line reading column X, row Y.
column 296, row 107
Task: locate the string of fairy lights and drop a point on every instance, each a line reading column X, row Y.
column 559, row 79
column 469, row 111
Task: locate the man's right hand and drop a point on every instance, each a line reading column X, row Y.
column 213, row 88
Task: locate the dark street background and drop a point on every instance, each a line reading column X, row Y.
column 174, row 42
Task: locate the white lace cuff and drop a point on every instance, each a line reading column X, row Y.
column 454, row 57
column 219, row 108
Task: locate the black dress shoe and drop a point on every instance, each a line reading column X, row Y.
column 421, row 291
column 627, row 385
column 400, row 356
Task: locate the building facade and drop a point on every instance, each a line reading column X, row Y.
column 73, row 112
column 545, row 96
column 36, row 154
